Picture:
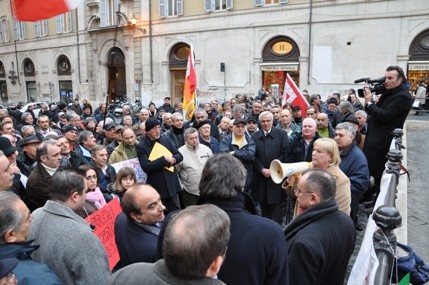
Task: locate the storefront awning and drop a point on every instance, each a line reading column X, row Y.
column 418, row 65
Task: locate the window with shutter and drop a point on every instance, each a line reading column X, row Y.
column 116, row 8
column 41, row 28
column 19, row 30
column 179, row 7
column 259, row 2
column 37, row 29
column 68, row 22
column 162, row 9
column 170, row 8
column 103, row 13
column 4, row 30
column 45, row 30
column 209, row 5
column 59, row 24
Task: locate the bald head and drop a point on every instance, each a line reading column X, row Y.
column 322, row 121
column 143, row 205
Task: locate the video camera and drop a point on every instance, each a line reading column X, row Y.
column 377, row 85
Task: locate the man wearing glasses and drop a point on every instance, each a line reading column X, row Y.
column 321, row 240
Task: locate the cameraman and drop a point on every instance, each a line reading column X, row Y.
column 385, row 115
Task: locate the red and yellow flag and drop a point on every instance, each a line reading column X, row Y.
column 189, row 94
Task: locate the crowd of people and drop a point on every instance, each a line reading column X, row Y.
column 209, row 211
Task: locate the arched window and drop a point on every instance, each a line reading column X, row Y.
column 29, row 69
column 63, row 65
column 179, row 56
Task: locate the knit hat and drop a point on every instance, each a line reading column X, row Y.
column 151, row 123
column 85, row 106
column 6, row 146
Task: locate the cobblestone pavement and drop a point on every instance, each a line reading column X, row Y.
column 418, row 192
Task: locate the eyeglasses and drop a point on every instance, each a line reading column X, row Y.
column 297, row 190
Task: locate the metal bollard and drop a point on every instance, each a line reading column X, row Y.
column 387, row 216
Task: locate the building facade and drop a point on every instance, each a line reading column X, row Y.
column 112, row 49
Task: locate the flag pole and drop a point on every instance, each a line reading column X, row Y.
column 190, row 87
column 109, row 91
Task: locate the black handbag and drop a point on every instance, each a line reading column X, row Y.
column 410, row 263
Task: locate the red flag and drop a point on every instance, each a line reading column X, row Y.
column 189, row 94
column 30, row 10
column 293, row 95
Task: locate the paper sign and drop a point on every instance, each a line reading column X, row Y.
column 159, row 150
column 134, row 163
column 104, row 222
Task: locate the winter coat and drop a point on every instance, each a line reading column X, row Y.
column 28, row 271
column 320, row 242
column 68, row 245
column 270, row 147
column 163, row 180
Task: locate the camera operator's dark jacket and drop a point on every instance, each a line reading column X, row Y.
column 389, row 113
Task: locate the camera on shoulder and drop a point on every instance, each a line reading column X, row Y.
column 376, row 85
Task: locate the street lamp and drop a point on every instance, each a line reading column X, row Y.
column 133, row 20
column 133, row 23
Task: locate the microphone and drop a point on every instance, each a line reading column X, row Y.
column 377, row 80
column 361, row 80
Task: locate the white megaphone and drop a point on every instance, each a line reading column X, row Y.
column 281, row 170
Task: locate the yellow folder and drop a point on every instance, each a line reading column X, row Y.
column 158, row 151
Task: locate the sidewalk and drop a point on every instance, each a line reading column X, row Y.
column 418, row 194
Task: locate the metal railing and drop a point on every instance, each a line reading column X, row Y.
column 387, row 216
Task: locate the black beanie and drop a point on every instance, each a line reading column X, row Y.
column 151, row 123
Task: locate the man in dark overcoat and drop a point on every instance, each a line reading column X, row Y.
column 160, row 170
column 271, row 143
column 321, row 240
column 388, row 112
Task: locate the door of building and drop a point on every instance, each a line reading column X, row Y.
column 177, row 84
column 66, row 91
